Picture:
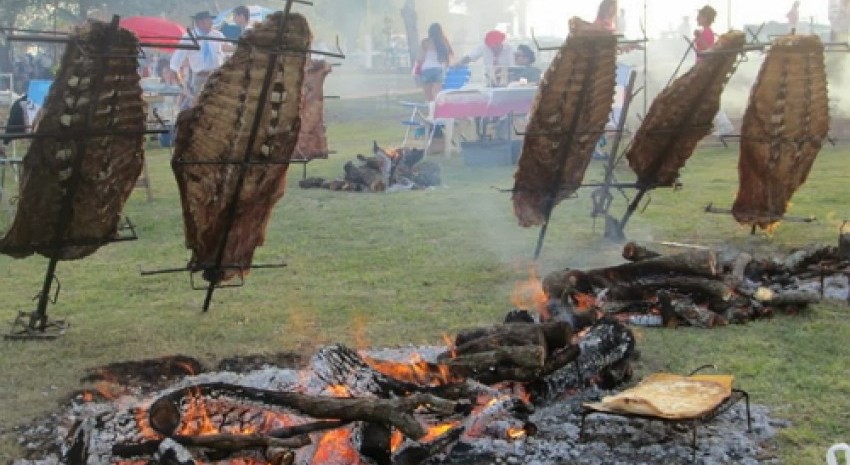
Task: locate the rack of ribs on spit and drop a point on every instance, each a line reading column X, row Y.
column 86, row 152
column 682, row 114
column 568, row 117
column 227, row 188
column 784, row 127
column 313, row 140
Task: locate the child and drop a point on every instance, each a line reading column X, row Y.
column 704, row 38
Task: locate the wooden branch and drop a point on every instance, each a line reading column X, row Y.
column 390, row 412
column 221, row 442
column 298, row 430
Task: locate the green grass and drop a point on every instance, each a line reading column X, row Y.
column 399, row 268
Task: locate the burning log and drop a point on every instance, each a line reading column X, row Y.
column 605, row 353
column 165, row 415
column 551, row 336
column 510, row 352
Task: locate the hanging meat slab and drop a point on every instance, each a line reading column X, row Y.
column 74, row 184
column 568, row 117
column 784, row 127
column 682, row 114
column 212, row 142
column 313, row 140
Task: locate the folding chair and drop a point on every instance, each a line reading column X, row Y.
column 421, row 124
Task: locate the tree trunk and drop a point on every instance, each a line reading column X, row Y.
column 408, row 14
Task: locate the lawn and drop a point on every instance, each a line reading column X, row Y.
column 407, row 267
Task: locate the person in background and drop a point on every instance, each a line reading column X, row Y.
column 204, row 61
column 435, row 55
column 498, row 57
column 793, row 17
column 524, row 71
column 621, row 22
column 606, row 15
column 241, row 22
column 16, row 123
column 704, row 38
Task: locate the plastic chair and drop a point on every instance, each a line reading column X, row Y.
column 456, row 77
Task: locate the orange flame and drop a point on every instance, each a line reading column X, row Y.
column 450, row 344
column 417, row 371
column 335, row 449
column 396, row 440
column 529, row 295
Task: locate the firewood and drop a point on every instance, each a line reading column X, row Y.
column 520, row 363
column 550, row 336
column 635, row 252
column 791, row 298
column 221, row 442
column 716, row 293
column 390, row 412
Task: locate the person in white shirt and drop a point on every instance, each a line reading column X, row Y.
column 498, row 57
column 204, row 61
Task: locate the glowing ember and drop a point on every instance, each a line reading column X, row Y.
column 335, row 448
column 583, row 302
column 529, row 295
column 516, row 433
column 435, row 432
column 339, row 390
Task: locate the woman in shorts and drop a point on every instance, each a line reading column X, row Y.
column 435, row 55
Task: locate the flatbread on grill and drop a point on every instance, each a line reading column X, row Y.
column 669, row 396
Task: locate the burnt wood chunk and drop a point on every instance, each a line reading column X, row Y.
column 87, row 154
column 227, row 203
column 568, row 117
column 635, row 252
column 784, row 127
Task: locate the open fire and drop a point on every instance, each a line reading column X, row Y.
column 514, row 389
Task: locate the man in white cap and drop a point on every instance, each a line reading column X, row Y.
column 204, row 61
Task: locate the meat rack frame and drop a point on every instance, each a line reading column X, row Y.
column 36, row 324
column 243, row 164
column 756, row 46
column 602, row 196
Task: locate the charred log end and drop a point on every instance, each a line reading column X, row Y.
column 279, row 456
column 164, row 416
column 557, row 336
column 375, row 443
